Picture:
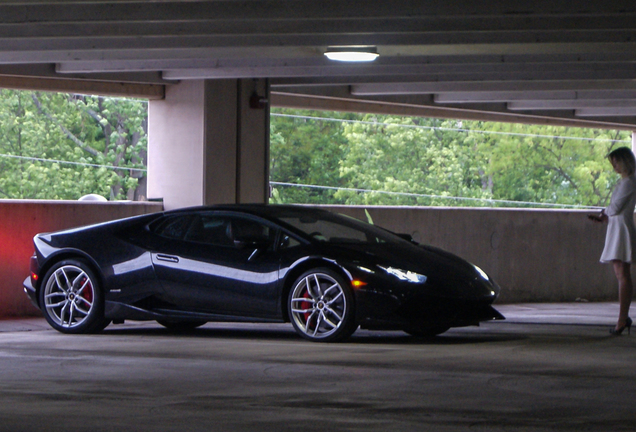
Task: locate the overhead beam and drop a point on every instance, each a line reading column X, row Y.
column 385, row 68
column 103, row 10
column 384, row 65
column 448, row 22
column 121, row 89
column 29, row 50
column 498, row 96
column 537, row 14
column 501, row 96
column 300, row 101
column 606, row 112
column 47, row 70
column 485, row 86
column 571, row 104
column 73, row 53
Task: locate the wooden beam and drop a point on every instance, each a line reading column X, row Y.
column 300, row 101
column 105, row 88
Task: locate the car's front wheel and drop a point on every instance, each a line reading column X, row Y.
column 71, row 298
column 321, row 306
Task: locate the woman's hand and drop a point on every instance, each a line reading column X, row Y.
column 600, row 218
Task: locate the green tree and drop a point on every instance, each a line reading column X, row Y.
column 306, row 151
column 420, row 156
column 424, row 160
column 90, row 132
column 548, row 164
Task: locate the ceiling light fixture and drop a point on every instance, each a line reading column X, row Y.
column 352, row 53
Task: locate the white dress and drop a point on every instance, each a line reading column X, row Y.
column 620, row 240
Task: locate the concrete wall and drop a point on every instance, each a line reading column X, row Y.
column 176, row 153
column 534, row 255
column 21, row 220
column 208, row 144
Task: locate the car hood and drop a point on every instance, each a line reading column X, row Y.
column 444, row 271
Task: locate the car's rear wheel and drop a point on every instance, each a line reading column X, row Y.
column 71, row 298
column 321, row 306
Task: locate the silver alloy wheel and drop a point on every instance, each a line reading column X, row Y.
column 318, row 305
column 69, row 296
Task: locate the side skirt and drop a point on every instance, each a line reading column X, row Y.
column 119, row 311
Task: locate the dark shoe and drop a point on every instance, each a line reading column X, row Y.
column 618, row 331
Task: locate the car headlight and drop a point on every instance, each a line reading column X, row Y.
column 405, row 275
column 481, row 273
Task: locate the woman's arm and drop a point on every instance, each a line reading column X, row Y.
column 621, row 196
column 602, row 217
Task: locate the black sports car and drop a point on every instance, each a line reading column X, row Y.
column 326, row 273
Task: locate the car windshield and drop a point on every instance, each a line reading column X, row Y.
column 332, row 228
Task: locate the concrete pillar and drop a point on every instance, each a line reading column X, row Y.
column 209, row 143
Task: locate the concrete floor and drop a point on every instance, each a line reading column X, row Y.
column 547, row 368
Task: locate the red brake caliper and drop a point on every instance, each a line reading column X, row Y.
column 306, row 305
column 87, row 294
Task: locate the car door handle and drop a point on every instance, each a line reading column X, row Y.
column 169, row 258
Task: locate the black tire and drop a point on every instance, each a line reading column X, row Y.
column 321, row 306
column 181, row 326
column 71, row 298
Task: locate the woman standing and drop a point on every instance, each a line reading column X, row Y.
column 620, row 241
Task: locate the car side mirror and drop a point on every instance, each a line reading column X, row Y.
column 407, row 237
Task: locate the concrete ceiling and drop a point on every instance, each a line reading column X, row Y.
column 557, row 61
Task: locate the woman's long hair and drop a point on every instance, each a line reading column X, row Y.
column 625, row 157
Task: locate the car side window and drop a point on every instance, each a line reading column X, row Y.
column 174, row 227
column 209, row 229
column 229, row 231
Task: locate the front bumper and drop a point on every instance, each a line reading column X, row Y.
column 383, row 311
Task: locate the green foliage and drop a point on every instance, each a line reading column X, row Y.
column 84, row 130
column 437, row 162
column 408, row 155
column 537, row 164
column 351, row 158
column 307, row 151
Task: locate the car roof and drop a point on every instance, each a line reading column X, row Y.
column 264, row 210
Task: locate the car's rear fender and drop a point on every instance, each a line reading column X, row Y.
column 62, row 255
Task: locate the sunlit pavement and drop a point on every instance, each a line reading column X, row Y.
column 548, row 367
